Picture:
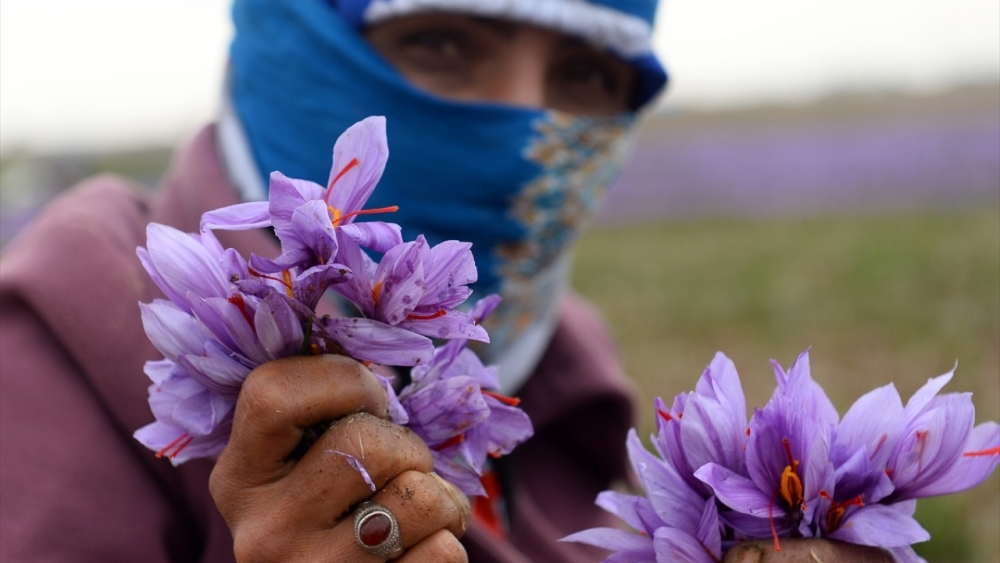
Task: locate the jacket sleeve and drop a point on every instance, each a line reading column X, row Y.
column 72, row 488
column 74, row 484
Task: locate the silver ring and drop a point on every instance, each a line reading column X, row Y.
column 379, row 527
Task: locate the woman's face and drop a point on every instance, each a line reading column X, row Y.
column 478, row 59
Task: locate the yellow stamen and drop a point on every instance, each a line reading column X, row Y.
column 286, row 277
column 791, row 486
column 335, row 215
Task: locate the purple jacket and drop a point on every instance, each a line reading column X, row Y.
column 75, row 485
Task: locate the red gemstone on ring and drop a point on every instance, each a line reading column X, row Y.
column 374, row 529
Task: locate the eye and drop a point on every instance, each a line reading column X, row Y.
column 591, row 82
column 428, row 45
column 436, row 47
column 590, row 75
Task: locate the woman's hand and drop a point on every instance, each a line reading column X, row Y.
column 284, row 509
column 806, row 551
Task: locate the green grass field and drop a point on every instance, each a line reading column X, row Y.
column 888, row 298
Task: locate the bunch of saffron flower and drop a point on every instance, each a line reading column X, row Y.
column 796, row 469
column 225, row 315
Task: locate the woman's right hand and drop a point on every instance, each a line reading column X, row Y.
column 285, row 509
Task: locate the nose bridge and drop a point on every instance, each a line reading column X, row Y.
column 521, row 78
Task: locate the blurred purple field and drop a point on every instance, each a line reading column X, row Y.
column 853, row 154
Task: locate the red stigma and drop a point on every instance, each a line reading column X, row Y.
column 664, row 415
column 285, row 282
column 346, row 216
column 983, row 453
column 432, row 316
column 453, row 441
column 922, row 438
column 881, row 442
column 512, row 401
column 242, row 306
column 788, row 450
column 329, row 189
column 837, row 509
column 177, row 445
column 770, row 517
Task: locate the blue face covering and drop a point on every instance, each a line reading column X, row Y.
column 517, row 183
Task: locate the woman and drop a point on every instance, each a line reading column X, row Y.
column 506, row 122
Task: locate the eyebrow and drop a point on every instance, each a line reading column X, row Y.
column 504, row 28
column 508, row 30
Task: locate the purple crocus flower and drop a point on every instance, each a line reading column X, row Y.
column 940, row 452
column 225, row 316
column 787, row 461
column 708, row 425
column 414, row 287
column 802, row 472
column 451, row 406
column 191, row 421
column 307, row 216
column 671, row 522
column 183, row 264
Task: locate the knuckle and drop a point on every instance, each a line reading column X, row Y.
column 416, row 488
column 250, row 545
column 379, row 442
column 262, row 393
column 219, row 485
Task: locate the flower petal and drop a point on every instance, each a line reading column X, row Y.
column 738, row 492
column 928, row 391
column 183, row 265
column 624, row 507
column 979, row 458
column 278, row 328
column 673, row 545
column 506, row 428
column 933, row 443
column 874, row 422
column 239, row 217
column 366, row 142
column 800, row 387
column 374, row 235
column 450, row 324
column 356, row 464
column 172, row 331
column 445, row 408
column 450, row 267
column 638, row 547
column 881, row 526
column 367, row 339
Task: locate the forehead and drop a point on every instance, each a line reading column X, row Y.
column 620, row 26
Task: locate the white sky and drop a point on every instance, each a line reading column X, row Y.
column 100, row 74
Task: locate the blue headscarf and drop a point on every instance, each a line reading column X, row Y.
column 518, row 183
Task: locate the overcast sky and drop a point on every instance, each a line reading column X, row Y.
column 113, row 73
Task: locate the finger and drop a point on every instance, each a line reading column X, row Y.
column 805, row 550
column 281, row 398
column 325, row 475
column 439, row 547
column 423, row 504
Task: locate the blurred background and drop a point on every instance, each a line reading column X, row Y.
column 821, row 175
